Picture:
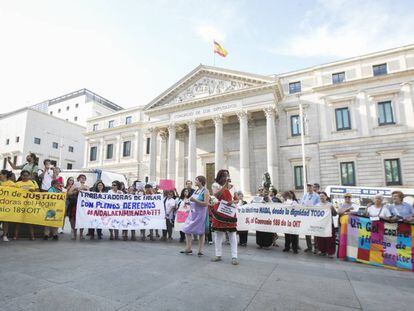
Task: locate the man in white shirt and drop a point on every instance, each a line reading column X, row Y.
column 46, row 175
column 310, row 198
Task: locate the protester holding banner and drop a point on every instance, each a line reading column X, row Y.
column 79, row 185
column 347, row 206
column 6, row 181
column 310, row 198
column 326, row 245
column 148, row 190
column 169, row 207
column 54, row 187
column 116, row 188
column 30, row 185
column 224, row 222
column 400, row 210
column 377, row 210
column 133, row 191
column 290, row 239
column 99, row 187
column 196, row 220
column 183, row 209
column 244, row 233
column 265, row 239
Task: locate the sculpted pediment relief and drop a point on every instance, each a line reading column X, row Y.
column 205, row 87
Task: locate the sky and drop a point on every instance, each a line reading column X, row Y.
column 130, row 51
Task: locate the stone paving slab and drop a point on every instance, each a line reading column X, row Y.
column 118, row 275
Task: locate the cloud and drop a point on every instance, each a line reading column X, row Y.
column 209, row 33
column 338, row 28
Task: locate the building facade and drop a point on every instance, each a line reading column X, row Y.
column 359, row 126
column 28, row 130
column 77, row 107
column 53, row 129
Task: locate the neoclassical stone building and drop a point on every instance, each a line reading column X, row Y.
column 359, row 126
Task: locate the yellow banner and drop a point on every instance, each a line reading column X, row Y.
column 37, row 208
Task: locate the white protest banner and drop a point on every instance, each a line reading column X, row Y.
column 283, row 218
column 120, row 211
column 229, row 210
column 181, row 216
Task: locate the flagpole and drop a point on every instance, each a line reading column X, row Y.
column 214, row 55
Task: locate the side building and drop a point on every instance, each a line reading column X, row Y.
column 359, row 127
column 52, row 129
column 29, row 130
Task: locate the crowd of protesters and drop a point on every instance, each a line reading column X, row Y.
column 204, row 217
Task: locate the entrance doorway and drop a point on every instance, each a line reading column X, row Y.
column 210, row 170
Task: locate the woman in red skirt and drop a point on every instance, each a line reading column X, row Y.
column 222, row 223
column 326, row 245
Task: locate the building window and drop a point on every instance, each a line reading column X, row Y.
column 348, row 174
column 392, row 172
column 385, row 113
column 111, row 124
column 93, row 153
column 70, row 148
column 59, row 110
column 69, row 166
column 109, row 151
column 295, row 125
column 55, row 145
column 294, row 87
column 95, row 127
column 75, row 118
column 37, row 141
column 126, row 150
column 15, row 160
column 4, row 163
column 379, row 70
column 77, row 105
column 147, row 151
column 7, row 141
column 17, row 139
column 298, row 175
column 51, row 113
column 338, row 77
column 343, row 121
column 67, row 108
column 128, row 120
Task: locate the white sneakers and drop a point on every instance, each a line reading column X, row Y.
column 5, row 239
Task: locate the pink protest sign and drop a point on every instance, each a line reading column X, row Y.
column 166, row 184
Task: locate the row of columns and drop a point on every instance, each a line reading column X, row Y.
column 271, row 144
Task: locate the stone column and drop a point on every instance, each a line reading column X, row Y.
column 219, row 149
column 102, row 151
column 363, row 113
column 271, row 144
column 171, row 152
column 244, row 153
column 192, row 150
column 138, row 151
column 153, row 155
column 163, row 154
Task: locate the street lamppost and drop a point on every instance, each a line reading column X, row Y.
column 302, row 138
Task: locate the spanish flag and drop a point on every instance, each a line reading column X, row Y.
column 218, row 49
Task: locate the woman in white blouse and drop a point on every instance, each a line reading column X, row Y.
column 378, row 210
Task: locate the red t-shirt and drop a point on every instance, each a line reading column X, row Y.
column 221, row 221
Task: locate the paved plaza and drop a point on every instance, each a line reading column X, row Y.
column 118, row 275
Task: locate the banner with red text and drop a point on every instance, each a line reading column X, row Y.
column 120, row 211
column 282, row 218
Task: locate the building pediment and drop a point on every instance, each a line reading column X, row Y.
column 204, row 82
